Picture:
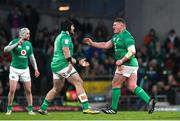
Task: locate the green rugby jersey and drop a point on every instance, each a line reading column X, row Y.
column 20, row 54
column 121, row 43
column 59, row 62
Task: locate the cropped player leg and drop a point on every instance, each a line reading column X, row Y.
column 132, row 86
column 12, row 89
column 57, row 86
column 76, row 80
column 116, row 93
column 27, row 88
column 116, row 89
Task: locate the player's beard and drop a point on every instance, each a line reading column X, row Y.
column 71, row 33
column 25, row 39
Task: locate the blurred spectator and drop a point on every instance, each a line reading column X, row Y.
column 101, row 32
column 87, row 26
column 32, row 19
column 170, row 84
column 150, row 41
column 172, row 42
column 15, row 21
column 1, row 89
column 151, row 72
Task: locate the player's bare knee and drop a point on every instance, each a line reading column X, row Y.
column 116, row 84
column 28, row 91
column 131, row 87
column 12, row 91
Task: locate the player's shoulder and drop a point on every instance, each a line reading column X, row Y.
column 13, row 41
column 28, row 43
column 127, row 33
column 66, row 36
column 63, row 36
column 66, row 39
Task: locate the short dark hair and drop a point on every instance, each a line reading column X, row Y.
column 120, row 20
column 66, row 25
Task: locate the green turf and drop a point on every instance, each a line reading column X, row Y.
column 80, row 116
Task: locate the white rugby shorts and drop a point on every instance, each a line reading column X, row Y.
column 64, row 73
column 22, row 75
column 126, row 70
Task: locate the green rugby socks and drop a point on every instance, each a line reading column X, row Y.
column 85, row 105
column 30, row 108
column 45, row 104
column 9, row 107
column 116, row 93
column 142, row 94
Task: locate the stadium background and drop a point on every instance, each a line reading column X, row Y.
column 159, row 72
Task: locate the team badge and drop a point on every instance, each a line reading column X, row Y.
column 66, row 41
column 27, row 47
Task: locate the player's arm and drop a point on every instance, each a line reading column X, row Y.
column 11, row 46
column 67, row 55
column 33, row 61
column 103, row 45
column 34, row 64
column 129, row 54
column 72, row 60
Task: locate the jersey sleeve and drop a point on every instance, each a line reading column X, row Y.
column 129, row 40
column 31, row 49
column 66, row 41
column 13, row 42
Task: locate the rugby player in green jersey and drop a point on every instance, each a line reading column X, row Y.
column 127, row 65
column 62, row 68
column 21, row 49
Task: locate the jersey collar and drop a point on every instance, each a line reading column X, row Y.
column 64, row 32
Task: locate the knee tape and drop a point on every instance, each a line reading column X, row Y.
column 83, row 97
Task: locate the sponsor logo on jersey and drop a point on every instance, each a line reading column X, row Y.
column 23, row 52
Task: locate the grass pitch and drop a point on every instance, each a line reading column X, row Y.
column 127, row 115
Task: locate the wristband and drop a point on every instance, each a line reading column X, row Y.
column 77, row 61
column 69, row 59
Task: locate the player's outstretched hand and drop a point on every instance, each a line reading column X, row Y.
column 73, row 60
column 83, row 62
column 87, row 41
